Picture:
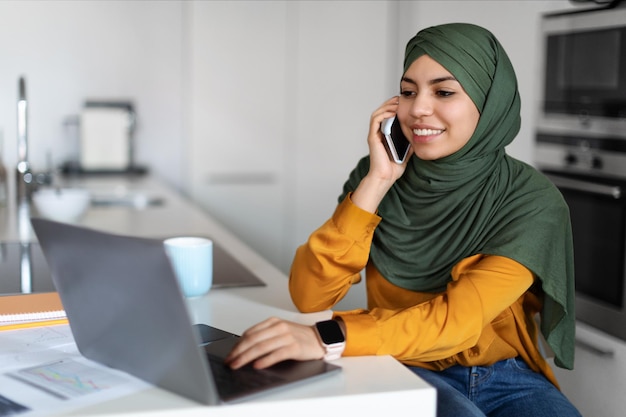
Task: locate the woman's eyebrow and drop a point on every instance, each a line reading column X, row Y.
column 433, row 81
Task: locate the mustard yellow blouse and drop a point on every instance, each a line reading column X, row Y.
column 485, row 315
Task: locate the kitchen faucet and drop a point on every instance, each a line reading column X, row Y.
column 26, row 179
column 26, row 182
column 24, row 174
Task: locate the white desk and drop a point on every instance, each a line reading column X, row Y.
column 371, row 386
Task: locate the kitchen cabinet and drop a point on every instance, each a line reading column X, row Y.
column 597, row 384
column 237, row 67
column 279, row 96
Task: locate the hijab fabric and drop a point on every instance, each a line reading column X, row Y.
column 478, row 200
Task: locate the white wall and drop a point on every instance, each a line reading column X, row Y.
column 69, row 51
column 344, row 73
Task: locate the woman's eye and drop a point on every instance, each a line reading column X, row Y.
column 444, row 93
column 407, row 93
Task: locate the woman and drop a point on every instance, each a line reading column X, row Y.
column 462, row 244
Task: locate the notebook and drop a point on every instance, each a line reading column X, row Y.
column 30, row 310
column 126, row 311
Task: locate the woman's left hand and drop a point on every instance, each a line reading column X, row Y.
column 275, row 340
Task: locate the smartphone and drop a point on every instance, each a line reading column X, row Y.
column 396, row 143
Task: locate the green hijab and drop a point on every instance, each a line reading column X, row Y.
column 478, row 200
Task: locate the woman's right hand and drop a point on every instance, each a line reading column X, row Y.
column 383, row 172
column 275, row 340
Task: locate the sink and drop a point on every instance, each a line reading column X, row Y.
column 123, row 195
column 138, row 200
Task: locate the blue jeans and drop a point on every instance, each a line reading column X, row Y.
column 508, row 388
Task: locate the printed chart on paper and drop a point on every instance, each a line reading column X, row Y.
column 67, row 378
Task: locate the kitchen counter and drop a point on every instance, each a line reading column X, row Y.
column 367, row 384
column 140, row 206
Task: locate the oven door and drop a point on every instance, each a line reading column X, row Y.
column 598, row 215
column 583, row 79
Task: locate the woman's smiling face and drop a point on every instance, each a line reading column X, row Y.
column 435, row 112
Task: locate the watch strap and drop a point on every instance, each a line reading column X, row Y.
column 332, row 338
column 333, row 352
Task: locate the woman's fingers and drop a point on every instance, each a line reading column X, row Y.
column 273, row 341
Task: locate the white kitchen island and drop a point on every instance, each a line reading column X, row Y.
column 371, row 386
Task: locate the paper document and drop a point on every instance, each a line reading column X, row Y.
column 43, row 374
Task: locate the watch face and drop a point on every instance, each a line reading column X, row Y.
column 330, row 332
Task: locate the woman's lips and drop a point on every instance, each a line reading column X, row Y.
column 426, row 135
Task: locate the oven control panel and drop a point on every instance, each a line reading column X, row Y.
column 585, row 155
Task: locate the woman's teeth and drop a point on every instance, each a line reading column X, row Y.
column 427, row 132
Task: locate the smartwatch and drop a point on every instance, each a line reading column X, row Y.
column 332, row 338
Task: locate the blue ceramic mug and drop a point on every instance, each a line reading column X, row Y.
column 192, row 261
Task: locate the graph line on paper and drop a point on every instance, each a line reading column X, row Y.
column 67, row 378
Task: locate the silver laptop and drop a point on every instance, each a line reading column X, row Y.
column 126, row 311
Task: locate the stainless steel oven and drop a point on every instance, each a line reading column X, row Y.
column 584, row 57
column 590, row 172
column 581, row 147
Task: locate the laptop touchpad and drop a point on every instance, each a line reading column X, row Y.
column 208, row 334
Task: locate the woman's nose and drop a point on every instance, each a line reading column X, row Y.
column 421, row 106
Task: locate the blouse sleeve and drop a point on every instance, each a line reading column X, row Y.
column 326, row 266
column 451, row 322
